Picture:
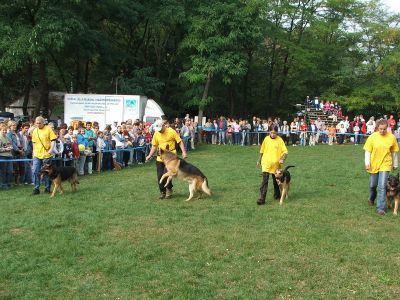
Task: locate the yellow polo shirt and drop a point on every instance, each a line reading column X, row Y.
column 169, row 137
column 381, row 148
column 41, row 140
column 272, row 151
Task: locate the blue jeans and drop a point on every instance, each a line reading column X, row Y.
column 6, row 172
column 221, row 136
column 378, row 180
column 36, row 166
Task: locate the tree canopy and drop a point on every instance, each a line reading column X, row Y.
column 235, row 57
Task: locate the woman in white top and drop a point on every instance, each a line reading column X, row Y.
column 371, row 126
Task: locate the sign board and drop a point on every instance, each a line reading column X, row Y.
column 105, row 109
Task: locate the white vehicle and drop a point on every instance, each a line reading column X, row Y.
column 106, row 109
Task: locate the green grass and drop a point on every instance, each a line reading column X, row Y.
column 114, row 240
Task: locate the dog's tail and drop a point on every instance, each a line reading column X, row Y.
column 289, row 167
column 205, row 187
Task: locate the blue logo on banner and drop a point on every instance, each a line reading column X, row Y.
column 131, row 103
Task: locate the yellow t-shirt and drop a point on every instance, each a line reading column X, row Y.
column 169, row 137
column 272, row 150
column 381, row 148
column 41, row 140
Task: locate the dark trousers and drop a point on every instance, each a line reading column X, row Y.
column 161, row 170
column 264, row 186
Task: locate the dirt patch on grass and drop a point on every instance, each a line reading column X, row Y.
column 20, row 231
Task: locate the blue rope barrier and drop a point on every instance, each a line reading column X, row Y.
column 141, row 148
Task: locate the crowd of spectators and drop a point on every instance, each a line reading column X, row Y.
column 86, row 147
column 297, row 131
column 82, row 145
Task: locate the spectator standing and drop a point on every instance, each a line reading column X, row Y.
column 27, row 147
column 83, row 144
column 392, row 123
column 6, row 168
column 222, row 126
column 371, row 126
column 17, row 151
column 294, row 129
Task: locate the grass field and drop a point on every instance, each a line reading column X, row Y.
column 114, row 239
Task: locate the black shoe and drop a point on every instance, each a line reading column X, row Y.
column 47, row 191
column 260, row 202
column 35, row 192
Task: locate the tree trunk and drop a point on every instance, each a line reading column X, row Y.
column 231, row 101
column 201, row 111
column 2, row 102
column 44, row 91
column 78, row 75
column 86, row 81
column 27, row 89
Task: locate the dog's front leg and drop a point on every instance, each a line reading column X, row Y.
column 283, row 195
column 168, row 181
column 396, row 205
column 389, row 201
column 162, row 177
column 54, row 190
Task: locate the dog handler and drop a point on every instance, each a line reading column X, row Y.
column 380, row 158
column 273, row 153
column 44, row 141
column 163, row 137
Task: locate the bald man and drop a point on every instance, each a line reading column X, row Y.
column 43, row 140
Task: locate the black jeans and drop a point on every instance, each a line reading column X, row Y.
column 264, row 186
column 161, row 170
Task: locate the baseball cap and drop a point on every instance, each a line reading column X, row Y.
column 157, row 126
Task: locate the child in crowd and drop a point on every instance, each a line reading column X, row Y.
column 331, row 135
column 100, row 146
column 229, row 134
column 67, row 151
column 75, row 151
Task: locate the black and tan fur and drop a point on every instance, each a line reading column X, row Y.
column 177, row 167
column 283, row 179
column 393, row 192
column 59, row 174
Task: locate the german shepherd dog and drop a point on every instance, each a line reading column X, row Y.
column 283, row 179
column 59, row 174
column 178, row 167
column 393, row 192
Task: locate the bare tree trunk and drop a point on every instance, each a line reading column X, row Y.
column 231, row 101
column 2, row 102
column 86, row 81
column 78, row 75
column 204, row 97
column 44, row 91
column 27, row 89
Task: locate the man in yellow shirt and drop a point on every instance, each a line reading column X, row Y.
column 380, row 158
column 43, row 140
column 273, row 153
column 164, row 136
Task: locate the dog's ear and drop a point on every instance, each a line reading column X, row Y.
column 167, row 147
